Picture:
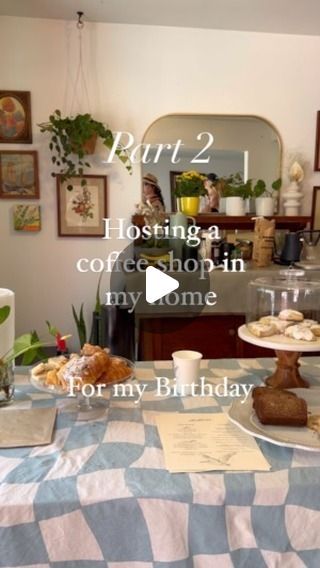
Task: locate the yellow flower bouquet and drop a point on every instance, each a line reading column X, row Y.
column 190, row 184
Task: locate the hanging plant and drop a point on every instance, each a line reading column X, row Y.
column 71, row 141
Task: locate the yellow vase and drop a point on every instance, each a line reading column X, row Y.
column 190, row 205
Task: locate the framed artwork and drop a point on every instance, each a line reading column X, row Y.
column 315, row 212
column 26, row 218
column 82, row 209
column 19, row 177
column 15, row 117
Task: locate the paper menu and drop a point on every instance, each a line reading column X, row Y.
column 207, row 442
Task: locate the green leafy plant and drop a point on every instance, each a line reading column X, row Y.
column 260, row 188
column 27, row 343
column 69, row 143
column 234, row 186
column 190, row 184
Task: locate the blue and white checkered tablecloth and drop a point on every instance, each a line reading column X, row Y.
column 100, row 496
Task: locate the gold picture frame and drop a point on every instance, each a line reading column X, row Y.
column 19, row 176
column 15, row 117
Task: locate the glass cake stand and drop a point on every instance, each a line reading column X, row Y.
column 286, row 290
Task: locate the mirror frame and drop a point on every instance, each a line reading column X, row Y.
column 219, row 115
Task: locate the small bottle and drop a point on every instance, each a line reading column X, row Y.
column 189, row 252
column 216, row 251
column 203, row 248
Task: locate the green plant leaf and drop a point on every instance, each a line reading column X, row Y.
column 259, row 188
column 97, row 307
column 36, row 353
column 81, row 325
column 277, row 184
column 4, row 313
column 21, row 345
column 52, row 329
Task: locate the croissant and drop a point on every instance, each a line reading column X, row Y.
column 87, row 368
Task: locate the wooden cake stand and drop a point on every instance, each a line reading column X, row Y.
column 288, row 352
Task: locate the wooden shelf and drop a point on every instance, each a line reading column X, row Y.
column 247, row 222
column 205, row 220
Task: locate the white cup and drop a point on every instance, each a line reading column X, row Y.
column 186, row 366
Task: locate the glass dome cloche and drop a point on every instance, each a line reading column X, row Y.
column 286, row 290
column 283, row 313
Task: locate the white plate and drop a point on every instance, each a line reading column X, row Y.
column 245, row 418
column 279, row 342
column 308, row 265
column 40, row 384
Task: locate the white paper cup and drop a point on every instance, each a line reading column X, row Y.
column 186, row 365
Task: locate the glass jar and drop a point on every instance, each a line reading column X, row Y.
column 287, row 289
column 6, row 383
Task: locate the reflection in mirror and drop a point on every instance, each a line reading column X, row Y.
column 245, row 144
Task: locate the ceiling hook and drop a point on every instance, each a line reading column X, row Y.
column 80, row 23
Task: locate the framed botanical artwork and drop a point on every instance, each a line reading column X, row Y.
column 15, row 117
column 315, row 212
column 19, row 177
column 26, row 218
column 82, row 208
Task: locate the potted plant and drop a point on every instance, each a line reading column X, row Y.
column 235, row 191
column 264, row 197
column 25, row 344
column 189, row 189
column 73, row 138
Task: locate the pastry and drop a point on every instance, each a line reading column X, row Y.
column 281, row 325
column 262, row 329
column 290, row 315
column 299, row 332
column 308, row 323
column 281, row 410
column 117, row 370
column 86, row 368
column 268, row 319
column 315, row 329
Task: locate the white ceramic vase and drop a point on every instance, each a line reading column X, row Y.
column 292, row 198
column 235, row 206
column 222, row 205
column 264, row 206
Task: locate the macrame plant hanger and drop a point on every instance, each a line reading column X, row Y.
column 80, row 80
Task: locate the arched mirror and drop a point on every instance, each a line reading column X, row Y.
column 230, row 144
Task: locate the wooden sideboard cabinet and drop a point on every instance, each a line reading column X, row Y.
column 215, row 336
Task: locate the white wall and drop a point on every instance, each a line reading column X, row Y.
column 135, row 75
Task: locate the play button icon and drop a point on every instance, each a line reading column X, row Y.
column 158, row 284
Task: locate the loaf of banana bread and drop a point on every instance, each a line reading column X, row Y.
column 280, row 408
column 257, row 392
